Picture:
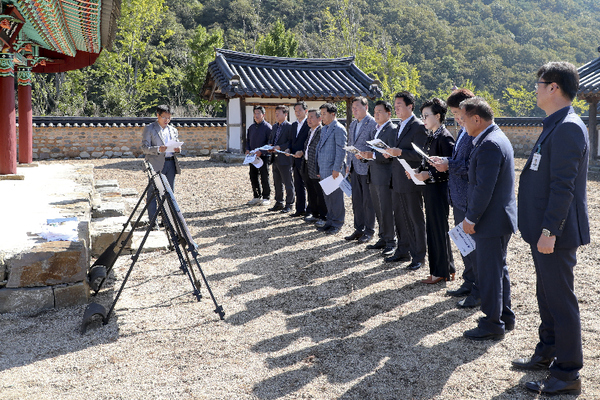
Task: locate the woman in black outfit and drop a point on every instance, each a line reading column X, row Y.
column 439, row 143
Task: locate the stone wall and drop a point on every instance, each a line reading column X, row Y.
column 97, row 140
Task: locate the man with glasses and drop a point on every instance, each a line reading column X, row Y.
column 154, row 139
column 553, row 220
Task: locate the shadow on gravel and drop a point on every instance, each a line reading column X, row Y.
column 389, row 361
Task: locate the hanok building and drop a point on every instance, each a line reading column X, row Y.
column 589, row 90
column 245, row 80
column 44, row 36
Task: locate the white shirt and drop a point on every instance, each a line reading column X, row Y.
column 404, row 123
column 300, row 123
column 166, row 133
column 312, row 133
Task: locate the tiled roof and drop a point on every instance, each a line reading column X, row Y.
column 235, row 74
column 589, row 78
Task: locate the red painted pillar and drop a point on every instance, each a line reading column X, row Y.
column 8, row 123
column 25, row 115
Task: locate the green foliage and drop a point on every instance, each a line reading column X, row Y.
column 279, row 42
column 520, row 101
column 202, row 46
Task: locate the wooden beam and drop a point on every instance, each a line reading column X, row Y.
column 348, row 114
column 593, row 130
column 212, row 91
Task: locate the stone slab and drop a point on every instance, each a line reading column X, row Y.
column 104, row 231
column 71, row 295
column 99, row 183
column 49, row 263
column 109, row 209
column 157, row 240
column 12, row 177
column 129, row 192
column 26, row 299
column 229, row 158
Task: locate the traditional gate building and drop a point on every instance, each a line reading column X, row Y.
column 589, row 90
column 245, row 80
column 44, row 36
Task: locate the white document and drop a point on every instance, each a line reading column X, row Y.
column 266, row 147
column 258, row 162
column 379, row 146
column 421, row 152
column 410, row 171
column 346, row 187
column 351, row 149
column 329, row 184
column 172, row 145
column 462, row 240
column 250, row 158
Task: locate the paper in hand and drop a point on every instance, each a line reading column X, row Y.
column 379, row 146
column 462, row 240
column 410, row 171
column 351, row 149
column 172, row 145
column 421, row 152
column 329, row 184
column 250, row 158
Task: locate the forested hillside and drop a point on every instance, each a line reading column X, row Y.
column 427, row 46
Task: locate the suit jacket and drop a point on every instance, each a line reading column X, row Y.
column 152, row 139
column 368, row 126
column 458, row 169
column 298, row 141
column 380, row 169
column 284, row 142
column 491, row 201
column 330, row 150
column 554, row 197
column 311, row 150
column 414, row 132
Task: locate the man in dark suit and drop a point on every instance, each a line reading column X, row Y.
column 258, row 135
column 299, row 134
column 310, row 174
column 553, row 220
column 409, row 219
column 281, row 139
column 154, row 139
column 380, row 178
column 362, row 204
column 330, row 161
column 491, row 216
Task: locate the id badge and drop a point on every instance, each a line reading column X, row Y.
column 535, row 161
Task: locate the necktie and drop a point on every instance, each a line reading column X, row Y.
column 277, row 134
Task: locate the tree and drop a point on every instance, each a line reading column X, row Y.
column 520, row 101
column 202, row 52
column 279, row 42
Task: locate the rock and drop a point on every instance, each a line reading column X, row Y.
column 50, row 263
column 128, row 154
column 97, row 154
column 204, row 152
column 90, row 149
column 102, row 183
column 71, row 295
column 117, row 154
column 108, row 153
column 26, row 299
column 157, row 240
column 104, row 231
column 84, row 154
column 124, row 148
column 109, row 209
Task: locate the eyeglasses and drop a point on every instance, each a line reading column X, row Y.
column 537, row 84
column 425, row 116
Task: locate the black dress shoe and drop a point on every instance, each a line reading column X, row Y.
column 482, row 334
column 332, row 230
column 323, row 228
column 508, row 326
column 415, row 265
column 297, row 214
column 276, row 207
column 365, row 238
column 552, row 385
column 286, row 210
column 355, row 236
column 460, row 292
column 310, row 218
column 398, row 258
column 377, row 246
column 388, row 251
column 469, row 302
column 534, row 363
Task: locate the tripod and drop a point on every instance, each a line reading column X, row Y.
column 180, row 240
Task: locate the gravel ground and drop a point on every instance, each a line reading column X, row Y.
column 308, row 316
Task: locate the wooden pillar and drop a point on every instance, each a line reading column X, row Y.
column 25, row 115
column 593, row 129
column 8, row 123
column 348, row 114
